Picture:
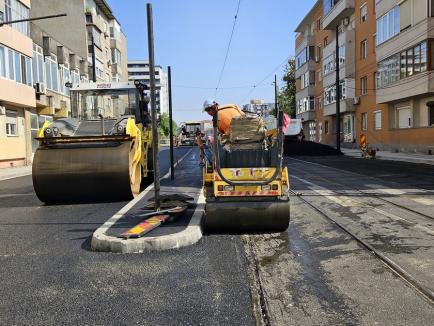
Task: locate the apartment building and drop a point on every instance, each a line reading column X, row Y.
column 385, row 73
column 17, row 96
column 90, row 27
column 139, row 70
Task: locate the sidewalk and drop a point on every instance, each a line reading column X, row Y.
column 390, row 156
column 10, row 173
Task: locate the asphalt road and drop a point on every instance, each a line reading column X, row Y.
column 50, row 276
column 316, row 274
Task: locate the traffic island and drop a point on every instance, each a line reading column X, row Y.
column 176, row 231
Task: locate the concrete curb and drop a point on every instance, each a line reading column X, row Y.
column 189, row 236
column 22, row 173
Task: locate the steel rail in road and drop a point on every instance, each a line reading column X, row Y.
column 413, row 211
column 394, row 267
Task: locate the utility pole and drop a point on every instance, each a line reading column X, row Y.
column 275, row 97
column 93, row 60
column 338, row 95
column 172, row 171
column 153, row 107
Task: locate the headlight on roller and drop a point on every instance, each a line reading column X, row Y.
column 120, row 129
column 55, row 131
column 229, row 188
column 48, row 132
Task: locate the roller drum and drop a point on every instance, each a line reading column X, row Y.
column 82, row 172
column 246, row 216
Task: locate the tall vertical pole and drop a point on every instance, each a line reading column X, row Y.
column 275, row 97
column 153, row 107
column 93, row 60
column 172, row 171
column 338, row 95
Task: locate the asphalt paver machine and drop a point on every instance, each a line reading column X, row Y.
column 102, row 152
column 246, row 187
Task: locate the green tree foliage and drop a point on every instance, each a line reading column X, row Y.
column 164, row 126
column 286, row 95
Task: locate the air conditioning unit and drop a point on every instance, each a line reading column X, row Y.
column 357, row 100
column 346, row 21
column 40, row 88
column 2, row 110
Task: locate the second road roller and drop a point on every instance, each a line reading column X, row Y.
column 102, row 152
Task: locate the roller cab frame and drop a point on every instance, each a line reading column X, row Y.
column 246, row 190
column 102, row 152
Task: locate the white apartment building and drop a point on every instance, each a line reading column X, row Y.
column 139, row 70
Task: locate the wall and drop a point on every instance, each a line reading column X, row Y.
column 69, row 30
column 13, row 149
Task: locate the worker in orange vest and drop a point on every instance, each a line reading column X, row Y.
column 225, row 114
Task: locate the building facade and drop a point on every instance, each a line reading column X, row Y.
column 90, row 27
column 38, row 59
column 385, row 73
column 17, row 96
column 139, row 70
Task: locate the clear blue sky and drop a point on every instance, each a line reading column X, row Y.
column 192, row 36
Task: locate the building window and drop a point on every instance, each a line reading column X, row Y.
column 404, row 118
column 364, row 13
column 388, row 25
column 318, row 25
column 326, row 41
column 15, row 10
column 116, row 56
column 364, row 49
column 402, row 65
column 2, row 62
column 11, row 123
column 304, row 56
column 364, row 85
column 431, row 115
column 326, row 127
column 330, row 93
column 377, row 119
column 364, row 121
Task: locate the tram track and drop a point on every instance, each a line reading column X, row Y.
column 410, row 280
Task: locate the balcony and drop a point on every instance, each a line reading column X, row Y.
column 116, row 68
column 115, row 44
column 303, row 42
column 307, row 116
column 305, row 92
column 347, row 105
column 335, row 11
column 308, row 66
column 416, row 85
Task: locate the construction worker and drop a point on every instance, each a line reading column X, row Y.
column 225, row 114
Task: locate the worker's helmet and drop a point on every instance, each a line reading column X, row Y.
column 207, row 104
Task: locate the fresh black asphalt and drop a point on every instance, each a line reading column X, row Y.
column 50, row 276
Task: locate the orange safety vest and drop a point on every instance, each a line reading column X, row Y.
column 225, row 114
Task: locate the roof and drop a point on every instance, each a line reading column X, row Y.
column 105, row 8
column 308, row 18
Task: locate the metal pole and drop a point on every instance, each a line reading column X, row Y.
column 153, row 107
column 275, row 97
column 338, row 95
column 172, row 170
column 31, row 19
column 93, row 60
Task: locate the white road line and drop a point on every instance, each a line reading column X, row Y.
column 345, row 201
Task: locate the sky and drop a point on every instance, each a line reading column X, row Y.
column 192, row 36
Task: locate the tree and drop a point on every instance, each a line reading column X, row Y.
column 286, row 97
column 164, row 126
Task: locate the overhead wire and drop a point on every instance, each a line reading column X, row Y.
column 228, row 49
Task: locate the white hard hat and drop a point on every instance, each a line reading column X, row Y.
column 207, row 104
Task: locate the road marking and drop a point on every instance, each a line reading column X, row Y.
column 14, row 195
column 349, row 202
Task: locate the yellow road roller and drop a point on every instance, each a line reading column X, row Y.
column 102, row 152
column 246, row 187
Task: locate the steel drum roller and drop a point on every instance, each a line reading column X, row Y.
column 247, row 216
column 83, row 172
